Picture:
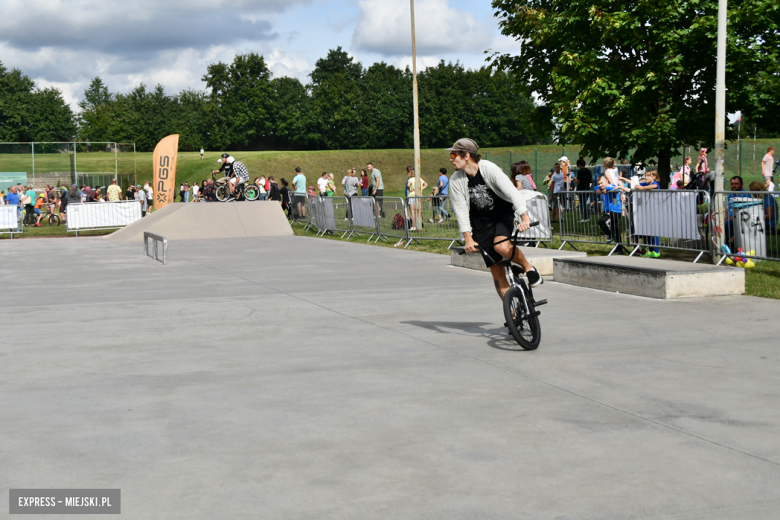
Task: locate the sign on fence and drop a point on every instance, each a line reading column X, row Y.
column 538, row 211
column 102, row 215
column 666, row 214
column 363, row 212
column 9, row 217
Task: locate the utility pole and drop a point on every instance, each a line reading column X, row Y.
column 720, row 113
column 417, row 183
column 739, row 141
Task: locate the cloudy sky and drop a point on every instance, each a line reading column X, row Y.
column 65, row 43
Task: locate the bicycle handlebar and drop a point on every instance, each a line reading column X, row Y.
column 533, row 224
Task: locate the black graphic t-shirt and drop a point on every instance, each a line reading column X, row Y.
column 485, row 207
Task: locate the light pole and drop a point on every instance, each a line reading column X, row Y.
column 417, row 184
column 720, row 112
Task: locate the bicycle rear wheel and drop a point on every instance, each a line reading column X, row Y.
column 30, row 219
column 251, row 193
column 223, row 193
column 525, row 328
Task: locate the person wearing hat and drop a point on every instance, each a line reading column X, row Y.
column 487, row 205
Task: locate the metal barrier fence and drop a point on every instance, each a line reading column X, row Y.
column 539, row 211
column 300, row 210
column 652, row 219
column 326, row 215
column 432, row 218
column 582, row 219
column 84, row 216
column 388, row 226
column 407, row 220
column 747, row 221
column 365, row 219
column 10, row 220
column 669, row 219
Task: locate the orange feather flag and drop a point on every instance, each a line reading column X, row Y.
column 165, row 154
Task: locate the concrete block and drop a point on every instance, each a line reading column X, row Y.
column 652, row 278
column 540, row 257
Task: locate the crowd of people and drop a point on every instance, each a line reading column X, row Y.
column 569, row 188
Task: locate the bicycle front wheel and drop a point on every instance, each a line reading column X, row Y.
column 525, row 328
column 54, row 220
column 223, row 193
column 251, row 193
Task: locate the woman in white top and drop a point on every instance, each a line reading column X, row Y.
column 414, row 207
column 610, row 172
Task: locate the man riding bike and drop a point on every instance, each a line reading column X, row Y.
column 235, row 172
column 486, row 204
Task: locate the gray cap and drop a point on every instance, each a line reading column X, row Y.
column 464, row 144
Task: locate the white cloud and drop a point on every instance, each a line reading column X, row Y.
column 385, row 28
column 423, row 62
column 68, row 90
column 283, row 63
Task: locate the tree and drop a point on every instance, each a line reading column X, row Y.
column 30, row 114
column 51, row 119
column 336, row 99
column 240, row 98
column 97, row 119
column 632, row 75
column 292, row 120
column 387, row 103
column 191, row 121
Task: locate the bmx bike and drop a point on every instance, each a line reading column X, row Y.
column 243, row 191
column 30, row 217
column 522, row 318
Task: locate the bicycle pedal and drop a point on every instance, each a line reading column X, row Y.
column 540, row 302
column 537, row 313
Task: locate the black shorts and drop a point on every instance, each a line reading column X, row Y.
column 484, row 236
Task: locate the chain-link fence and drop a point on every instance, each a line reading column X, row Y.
column 65, row 163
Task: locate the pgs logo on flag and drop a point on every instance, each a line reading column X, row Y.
column 165, row 155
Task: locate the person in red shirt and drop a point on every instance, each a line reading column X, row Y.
column 364, row 183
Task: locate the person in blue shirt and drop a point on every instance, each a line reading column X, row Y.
column 610, row 200
column 12, row 199
column 737, row 186
column 299, row 198
column 442, row 190
column 651, row 183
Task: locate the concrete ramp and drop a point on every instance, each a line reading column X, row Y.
column 205, row 220
column 648, row 277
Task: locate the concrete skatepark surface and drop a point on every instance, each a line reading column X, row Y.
column 365, row 382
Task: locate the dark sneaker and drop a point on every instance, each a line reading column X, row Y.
column 534, row 278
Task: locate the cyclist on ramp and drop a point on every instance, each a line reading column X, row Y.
column 235, row 172
column 487, row 206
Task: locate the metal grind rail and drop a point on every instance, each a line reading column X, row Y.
column 156, row 239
